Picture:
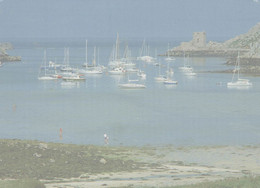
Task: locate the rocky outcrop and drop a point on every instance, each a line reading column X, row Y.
column 247, row 44
column 4, row 57
column 7, row 58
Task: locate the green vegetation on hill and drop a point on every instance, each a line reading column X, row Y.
column 33, row 159
column 23, row 183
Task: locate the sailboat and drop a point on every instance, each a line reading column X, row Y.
column 160, row 77
column 45, row 75
column 66, row 65
column 141, row 74
column 169, row 80
column 236, row 80
column 168, row 58
column 144, row 54
column 132, row 84
column 187, row 69
column 92, row 69
column 115, row 62
column 86, row 54
column 71, row 76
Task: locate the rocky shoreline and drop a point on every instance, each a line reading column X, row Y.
column 226, row 53
column 82, row 166
column 246, row 44
column 4, row 57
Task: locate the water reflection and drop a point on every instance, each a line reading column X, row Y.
column 70, row 85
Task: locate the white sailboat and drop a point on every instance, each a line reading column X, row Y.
column 169, row 58
column 160, row 77
column 144, row 54
column 169, row 79
column 132, row 84
column 66, row 65
column 186, row 68
column 86, row 55
column 141, row 74
column 117, row 71
column 115, row 62
column 127, row 59
column 92, row 69
column 236, row 80
column 68, row 75
column 44, row 75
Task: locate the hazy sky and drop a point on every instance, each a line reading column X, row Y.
column 131, row 18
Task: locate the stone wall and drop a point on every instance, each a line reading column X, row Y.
column 199, row 39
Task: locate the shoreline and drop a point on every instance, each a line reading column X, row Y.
column 70, row 165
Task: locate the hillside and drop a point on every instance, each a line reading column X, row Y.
column 249, row 40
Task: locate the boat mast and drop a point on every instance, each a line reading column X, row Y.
column 44, row 59
column 238, row 66
column 98, row 56
column 94, row 58
column 168, row 50
column 117, row 47
column 86, row 53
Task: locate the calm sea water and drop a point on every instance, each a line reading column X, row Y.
column 197, row 111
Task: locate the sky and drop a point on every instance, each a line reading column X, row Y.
column 221, row 19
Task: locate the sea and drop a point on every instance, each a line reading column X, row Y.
column 199, row 110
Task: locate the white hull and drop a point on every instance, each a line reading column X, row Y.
column 73, row 78
column 190, row 73
column 240, row 83
column 66, row 69
column 147, row 59
column 90, row 71
column 132, row 70
column 142, row 75
column 160, row 79
column 170, row 82
column 185, row 69
column 117, row 71
column 47, row 78
column 169, row 59
column 132, row 86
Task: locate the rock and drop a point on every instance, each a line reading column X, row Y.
column 37, row 155
column 103, row 161
column 43, row 146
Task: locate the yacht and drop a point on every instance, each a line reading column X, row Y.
column 236, row 80
column 170, row 81
column 169, row 58
column 132, row 84
column 74, row 78
column 141, row 74
column 117, row 71
column 44, row 75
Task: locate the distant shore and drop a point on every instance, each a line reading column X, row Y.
column 57, row 164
